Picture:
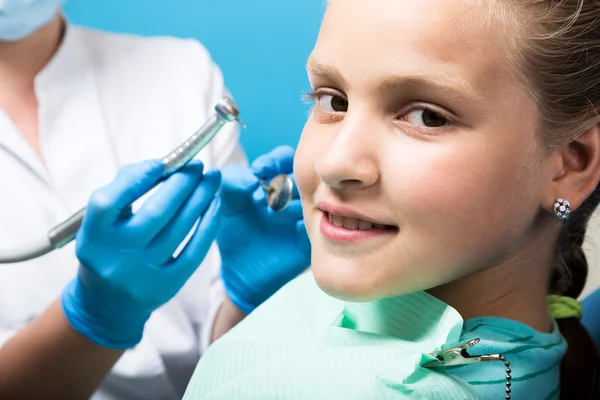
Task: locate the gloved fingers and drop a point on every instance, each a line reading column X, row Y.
column 292, row 212
column 131, row 183
column 158, row 210
column 236, row 189
column 125, row 214
column 196, row 249
column 260, row 195
column 278, row 161
column 168, row 240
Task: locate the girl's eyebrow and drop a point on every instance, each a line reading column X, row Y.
column 438, row 83
column 323, row 71
column 432, row 83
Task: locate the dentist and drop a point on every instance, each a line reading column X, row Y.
column 114, row 316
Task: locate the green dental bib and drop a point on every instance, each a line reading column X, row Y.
column 303, row 344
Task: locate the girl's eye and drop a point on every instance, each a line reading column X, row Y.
column 332, row 103
column 426, row 118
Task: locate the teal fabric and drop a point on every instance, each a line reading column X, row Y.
column 303, row 344
column 534, row 357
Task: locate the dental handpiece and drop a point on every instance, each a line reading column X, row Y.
column 59, row 236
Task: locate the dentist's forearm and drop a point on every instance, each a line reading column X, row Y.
column 50, row 360
column 227, row 317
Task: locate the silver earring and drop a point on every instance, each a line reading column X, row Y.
column 562, row 209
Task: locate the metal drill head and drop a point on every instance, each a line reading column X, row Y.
column 280, row 192
column 227, row 109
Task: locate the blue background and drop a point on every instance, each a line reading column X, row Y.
column 260, row 45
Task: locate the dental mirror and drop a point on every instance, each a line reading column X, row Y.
column 279, row 192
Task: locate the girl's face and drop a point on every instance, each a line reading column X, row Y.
column 421, row 162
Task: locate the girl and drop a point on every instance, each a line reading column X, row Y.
column 451, row 160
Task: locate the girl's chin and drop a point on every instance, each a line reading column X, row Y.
column 346, row 286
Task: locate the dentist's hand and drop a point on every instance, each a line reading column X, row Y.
column 261, row 250
column 127, row 269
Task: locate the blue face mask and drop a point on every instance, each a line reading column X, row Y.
column 20, row 18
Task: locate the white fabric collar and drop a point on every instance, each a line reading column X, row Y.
column 65, row 69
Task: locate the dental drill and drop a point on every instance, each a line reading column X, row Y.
column 225, row 111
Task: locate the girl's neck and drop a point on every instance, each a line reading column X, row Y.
column 515, row 289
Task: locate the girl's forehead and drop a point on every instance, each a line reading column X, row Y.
column 449, row 41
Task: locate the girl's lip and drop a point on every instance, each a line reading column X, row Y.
column 343, row 235
column 342, row 211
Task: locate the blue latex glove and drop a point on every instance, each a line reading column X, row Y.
column 261, row 250
column 127, row 269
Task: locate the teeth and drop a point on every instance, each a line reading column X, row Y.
column 337, row 221
column 365, row 225
column 379, row 226
column 351, row 223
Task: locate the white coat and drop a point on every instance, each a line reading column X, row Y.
column 107, row 100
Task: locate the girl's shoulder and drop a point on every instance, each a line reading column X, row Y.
column 534, row 359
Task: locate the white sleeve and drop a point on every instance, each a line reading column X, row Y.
column 225, row 149
column 6, row 334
